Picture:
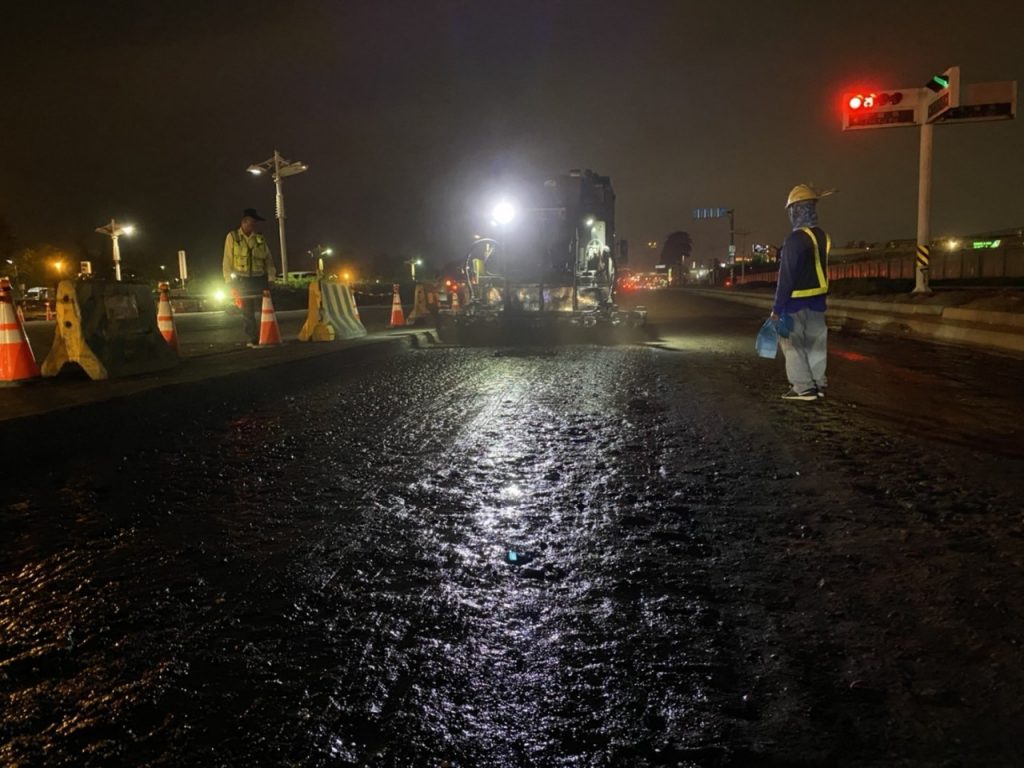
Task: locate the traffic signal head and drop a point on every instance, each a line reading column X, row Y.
column 946, row 90
column 874, row 109
column 859, row 101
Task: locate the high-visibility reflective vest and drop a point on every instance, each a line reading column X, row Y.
column 246, row 261
column 813, row 277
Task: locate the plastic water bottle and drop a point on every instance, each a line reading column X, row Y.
column 767, row 343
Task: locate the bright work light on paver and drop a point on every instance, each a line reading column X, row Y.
column 504, row 212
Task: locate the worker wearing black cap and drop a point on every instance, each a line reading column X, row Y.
column 248, row 269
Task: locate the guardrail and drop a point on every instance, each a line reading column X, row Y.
column 963, row 264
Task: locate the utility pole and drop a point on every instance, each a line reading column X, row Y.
column 280, row 168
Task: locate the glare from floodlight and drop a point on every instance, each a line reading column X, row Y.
column 504, row 212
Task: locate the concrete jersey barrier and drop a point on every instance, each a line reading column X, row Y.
column 108, row 328
column 1003, row 331
column 333, row 313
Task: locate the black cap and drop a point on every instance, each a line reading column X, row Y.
column 251, row 213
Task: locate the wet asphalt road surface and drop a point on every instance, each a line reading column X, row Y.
column 632, row 555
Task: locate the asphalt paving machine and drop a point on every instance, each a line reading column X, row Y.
column 551, row 267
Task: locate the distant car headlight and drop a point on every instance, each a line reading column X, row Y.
column 219, row 296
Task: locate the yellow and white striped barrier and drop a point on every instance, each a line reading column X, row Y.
column 333, row 313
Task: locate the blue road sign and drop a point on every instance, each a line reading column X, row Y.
column 710, row 213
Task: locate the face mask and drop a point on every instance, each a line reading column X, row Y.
column 803, row 214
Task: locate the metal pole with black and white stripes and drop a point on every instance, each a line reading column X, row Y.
column 924, row 209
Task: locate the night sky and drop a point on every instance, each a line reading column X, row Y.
column 412, row 117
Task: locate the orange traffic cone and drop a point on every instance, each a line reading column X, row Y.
column 270, row 334
column 455, row 300
column 397, row 316
column 165, row 318
column 17, row 363
column 49, row 313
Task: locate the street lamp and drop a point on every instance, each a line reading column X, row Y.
column 114, row 231
column 413, row 263
column 280, row 168
column 317, row 255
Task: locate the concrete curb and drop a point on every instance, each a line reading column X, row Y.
column 999, row 331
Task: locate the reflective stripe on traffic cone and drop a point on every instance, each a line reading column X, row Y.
column 270, row 334
column 17, row 363
column 165, row 318
column 397, row 316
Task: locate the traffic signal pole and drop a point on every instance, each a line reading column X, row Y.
column 941, row 100
column 924, row 208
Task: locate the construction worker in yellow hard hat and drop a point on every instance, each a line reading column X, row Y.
column 799, row 306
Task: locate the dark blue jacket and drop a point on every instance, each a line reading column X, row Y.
column 796, row 257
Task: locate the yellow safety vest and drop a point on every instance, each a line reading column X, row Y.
column 820, row 274
column 246, row 261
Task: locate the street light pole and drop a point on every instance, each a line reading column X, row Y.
column 279, row 210
column 280, row 167
column 114, row 230
column 318, row 258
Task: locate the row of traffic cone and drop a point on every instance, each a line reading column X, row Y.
column 398, row 316
column 18, row 362
column 270, row 332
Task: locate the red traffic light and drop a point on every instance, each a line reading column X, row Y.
column 872, row 100
column 861, row 101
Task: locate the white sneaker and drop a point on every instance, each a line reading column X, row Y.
column 807, row 395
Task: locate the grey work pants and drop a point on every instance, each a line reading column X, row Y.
column 806, row 351
column 250, row 289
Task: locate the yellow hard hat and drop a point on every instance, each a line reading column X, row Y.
column 802, row 192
